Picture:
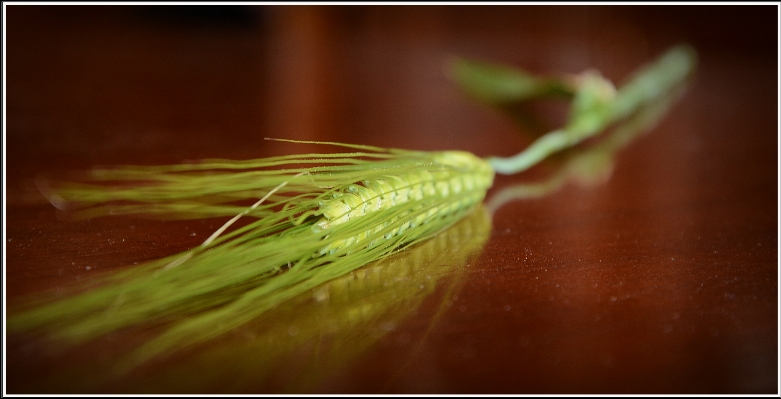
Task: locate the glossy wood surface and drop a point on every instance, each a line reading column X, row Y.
column 656, row 273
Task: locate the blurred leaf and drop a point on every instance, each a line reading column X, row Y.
column 496, row 84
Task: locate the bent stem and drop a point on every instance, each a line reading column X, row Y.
column 591, row 165
column 596, row 105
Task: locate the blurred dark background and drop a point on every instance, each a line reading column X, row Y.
column 172, row 78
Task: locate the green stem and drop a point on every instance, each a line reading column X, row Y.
column 592, row 111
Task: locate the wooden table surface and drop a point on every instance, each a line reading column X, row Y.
column 658, row 273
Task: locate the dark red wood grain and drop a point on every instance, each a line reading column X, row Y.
column 661, row 279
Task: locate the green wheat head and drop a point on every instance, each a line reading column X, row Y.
column 314, row 217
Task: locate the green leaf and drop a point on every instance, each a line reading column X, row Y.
column 500, row 85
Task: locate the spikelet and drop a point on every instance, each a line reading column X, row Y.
column 319, row 216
